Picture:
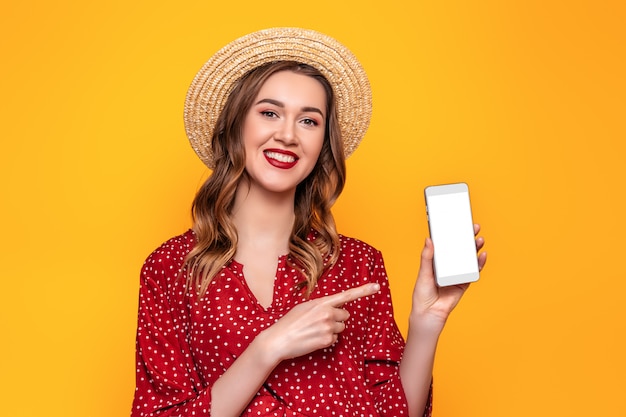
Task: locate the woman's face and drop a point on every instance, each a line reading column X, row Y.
column 284, row 131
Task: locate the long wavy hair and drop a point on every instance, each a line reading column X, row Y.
column 314, row 242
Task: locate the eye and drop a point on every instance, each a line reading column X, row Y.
column 269, row 114
column 310, row 122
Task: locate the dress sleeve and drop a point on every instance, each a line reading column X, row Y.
column 167, row 383
column 384, row 348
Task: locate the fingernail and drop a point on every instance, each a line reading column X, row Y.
column 376, row 287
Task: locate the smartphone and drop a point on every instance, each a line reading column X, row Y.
column 452, row 231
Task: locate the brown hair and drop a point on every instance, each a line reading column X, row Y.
column 211, row 210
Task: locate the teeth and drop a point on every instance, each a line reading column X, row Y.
column 280, row 157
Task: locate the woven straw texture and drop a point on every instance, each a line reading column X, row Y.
column 212, row 85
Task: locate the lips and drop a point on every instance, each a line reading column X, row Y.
column 280, row 158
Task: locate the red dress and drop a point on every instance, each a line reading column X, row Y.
column 185, row 344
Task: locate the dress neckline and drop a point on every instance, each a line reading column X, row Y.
column 238, row 268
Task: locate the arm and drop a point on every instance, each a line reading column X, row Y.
column 430, row 310
column 166, row 380
column 234, row 390
column 307, row 327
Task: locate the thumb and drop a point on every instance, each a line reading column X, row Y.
column 426, row 270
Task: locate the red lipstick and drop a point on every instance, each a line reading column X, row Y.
column 280, row 158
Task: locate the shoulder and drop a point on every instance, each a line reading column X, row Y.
column 170, row 255
column 358, row 263
column 353, row 247
column 175, row 248
column 354, row 254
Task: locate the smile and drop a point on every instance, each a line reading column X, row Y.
column 280, row 158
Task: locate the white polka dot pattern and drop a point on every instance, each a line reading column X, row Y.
column 185, row 344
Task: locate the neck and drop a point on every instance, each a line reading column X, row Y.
column 264, row 220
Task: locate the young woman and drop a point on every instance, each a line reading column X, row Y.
column 263, row 309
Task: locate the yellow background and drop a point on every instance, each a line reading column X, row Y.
column 524, row 100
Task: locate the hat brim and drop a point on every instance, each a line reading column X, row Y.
column 213, row 83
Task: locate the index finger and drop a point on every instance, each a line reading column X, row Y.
column 339, row 299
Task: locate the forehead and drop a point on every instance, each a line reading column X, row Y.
column 294, row 88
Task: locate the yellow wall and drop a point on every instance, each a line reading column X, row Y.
column 525, row 100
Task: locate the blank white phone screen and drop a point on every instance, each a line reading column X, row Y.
column 452, row 232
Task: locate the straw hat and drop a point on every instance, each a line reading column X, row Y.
column 213, row 83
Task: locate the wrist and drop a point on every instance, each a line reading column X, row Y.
column 426, row 324
column 265, row 351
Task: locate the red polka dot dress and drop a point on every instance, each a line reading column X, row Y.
column 185, row 344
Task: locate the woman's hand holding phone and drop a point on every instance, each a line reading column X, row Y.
column 433, row 304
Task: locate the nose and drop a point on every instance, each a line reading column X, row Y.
column 286, row 133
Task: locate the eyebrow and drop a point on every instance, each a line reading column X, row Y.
column 282, row 105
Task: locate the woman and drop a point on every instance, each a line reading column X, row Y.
column 262, row 309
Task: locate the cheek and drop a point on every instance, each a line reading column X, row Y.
column 250, row 130
column 250, row 138
column 246, row 132
column 316, row 145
